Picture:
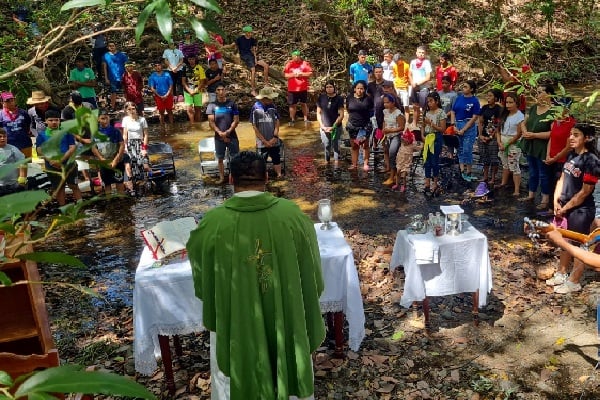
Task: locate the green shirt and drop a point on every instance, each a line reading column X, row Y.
column 257, row 269
column 535, row 123
column 84, row 75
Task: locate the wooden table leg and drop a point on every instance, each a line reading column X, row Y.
column 165, row 352
column 476, row 307
column 338, row 326
column 426, row 313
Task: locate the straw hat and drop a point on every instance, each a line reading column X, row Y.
column 267, row 92
column 37, row 97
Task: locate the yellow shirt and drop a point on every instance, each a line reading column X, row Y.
column 401, row 75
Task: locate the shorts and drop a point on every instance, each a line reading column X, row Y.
column 115, row 86
column 195, row 100
column 419, row 95
column 220, row 146
column 580, row 219
column 110, row 176
column 510, row 161
column 272, row 152
column 403, row 96
column 488, row 152
column 404, row 158
column 249, row 60
column 54, row 175
column 164, row 104
column 297, row 97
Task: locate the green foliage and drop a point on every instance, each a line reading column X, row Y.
column 70, row 379
column 52, row 257
column 482, row 385
column 441, row 45
column 582, row 110
column 359, row 10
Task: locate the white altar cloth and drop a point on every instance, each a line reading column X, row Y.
column 463, row 265
column 164, row 302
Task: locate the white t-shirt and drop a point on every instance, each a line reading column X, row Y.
column 509, row 128
column 390, row 118
column 388, row 70
column 418, row 74
column 173, row 57
column 135, row 127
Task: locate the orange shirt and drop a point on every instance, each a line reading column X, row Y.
column 401, row 75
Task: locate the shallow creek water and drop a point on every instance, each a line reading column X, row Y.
column 108, row 241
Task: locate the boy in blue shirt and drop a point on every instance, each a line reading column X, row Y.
column 54, row 166
column 112, row 153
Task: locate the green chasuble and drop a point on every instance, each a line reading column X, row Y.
column 256, row 267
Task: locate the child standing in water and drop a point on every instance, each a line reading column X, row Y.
column 434, row 124
column 404, row 160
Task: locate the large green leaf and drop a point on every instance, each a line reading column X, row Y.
column 208, row 4
column 5, row 379
column 164, row 19
column 81, row 3
column 200, row 30
column 72, row 379
column 21, row 202
column 10, row 167
column 52, row 257
column 142, row 19
column 4, row 280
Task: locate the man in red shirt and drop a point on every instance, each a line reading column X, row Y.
column 133, row 84
column 446, row 68
column 297, row 71
column 212, row 49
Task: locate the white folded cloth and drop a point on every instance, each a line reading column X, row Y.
column 426, row 248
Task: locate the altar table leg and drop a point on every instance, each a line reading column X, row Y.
column 165, row 352
column 426, row 313
column 338, row 324
column 476, row 308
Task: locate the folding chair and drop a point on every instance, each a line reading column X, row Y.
column 208, row 157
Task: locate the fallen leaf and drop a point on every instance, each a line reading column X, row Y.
column 455, row 375
column 583, row 378
column 398, row 335
column 389, row 379
column 386, row 388
column 560, row 341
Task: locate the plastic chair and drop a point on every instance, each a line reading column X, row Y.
column 208, row 157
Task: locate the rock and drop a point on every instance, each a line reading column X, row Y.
column 544, row 271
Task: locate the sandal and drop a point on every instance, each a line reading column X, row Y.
column 527, row 199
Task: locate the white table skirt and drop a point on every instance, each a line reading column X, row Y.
column 342, row 287
column 458, row 264
column 164, row 302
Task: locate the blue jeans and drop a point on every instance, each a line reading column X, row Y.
column 432, row 164
column 466, row 142
column 538, row 175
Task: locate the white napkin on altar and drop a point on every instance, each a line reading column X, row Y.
column 426, row 248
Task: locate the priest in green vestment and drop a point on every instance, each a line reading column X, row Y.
column 256, row 267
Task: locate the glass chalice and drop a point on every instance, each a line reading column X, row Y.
column 325, row 213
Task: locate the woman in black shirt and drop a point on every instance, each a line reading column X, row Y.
column 359, row 127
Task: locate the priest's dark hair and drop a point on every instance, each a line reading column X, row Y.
column 248, row 168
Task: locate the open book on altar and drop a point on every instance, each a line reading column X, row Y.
column 168, row 237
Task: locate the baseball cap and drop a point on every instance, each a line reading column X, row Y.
column 7, row 96
column 130, row 64
column 76, row 97
column 247, row 28
column 387, row 83
column 296, row 52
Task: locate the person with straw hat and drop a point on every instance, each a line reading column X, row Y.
column 40, row 103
